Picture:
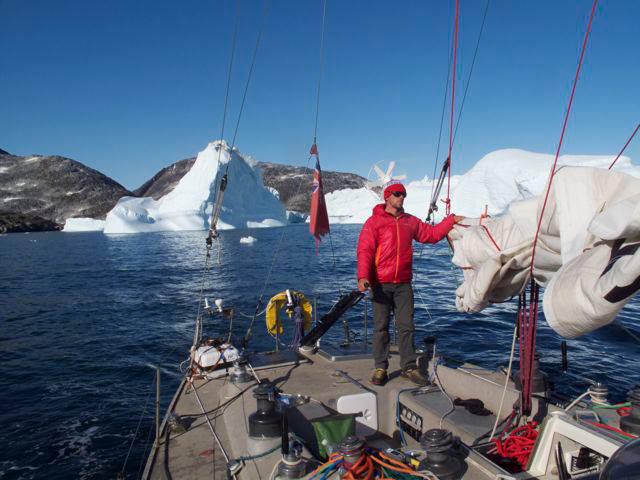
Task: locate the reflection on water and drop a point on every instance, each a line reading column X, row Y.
column 85, row 316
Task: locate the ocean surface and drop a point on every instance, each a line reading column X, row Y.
column 85, row 318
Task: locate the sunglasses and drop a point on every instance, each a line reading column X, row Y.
column 398, row 194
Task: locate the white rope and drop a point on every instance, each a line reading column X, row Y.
column 506, row 381
column 439, row 384
column 575, row 402
column 254, row 373
column 251, row 316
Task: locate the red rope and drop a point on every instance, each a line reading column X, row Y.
column 453, row 97
column 486, row 229
column 519, row 444
column 624, row 411
column 527, row 318
column 613, row 429
column 564, row 127
column 625, row 146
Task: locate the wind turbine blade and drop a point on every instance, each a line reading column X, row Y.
column 400, row 177
column 392, row 165
column 379, row 171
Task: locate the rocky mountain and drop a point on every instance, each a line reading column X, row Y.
column 4, row 152
column 165, row 180
column 18, row 222
column 293, row 184
column 37, row 189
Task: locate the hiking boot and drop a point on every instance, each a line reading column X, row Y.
column 379, row 377
column 415, row 376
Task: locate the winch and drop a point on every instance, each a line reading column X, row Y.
column 438, row 446
column 265, row 422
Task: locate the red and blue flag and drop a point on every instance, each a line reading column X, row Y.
column 319, row 221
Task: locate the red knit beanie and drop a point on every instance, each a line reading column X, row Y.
column 394, row 187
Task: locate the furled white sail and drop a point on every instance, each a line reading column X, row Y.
column 587, row 255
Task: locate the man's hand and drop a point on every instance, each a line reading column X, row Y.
column 363, row 284
column 458, row 218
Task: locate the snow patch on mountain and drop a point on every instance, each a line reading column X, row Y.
column 247, row 203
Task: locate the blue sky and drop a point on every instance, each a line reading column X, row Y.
column 130, row 87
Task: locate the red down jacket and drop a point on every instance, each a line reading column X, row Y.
column 385, row 250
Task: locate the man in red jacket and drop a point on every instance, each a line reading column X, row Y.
column 385, row 257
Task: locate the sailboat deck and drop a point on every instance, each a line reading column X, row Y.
column 196, row 454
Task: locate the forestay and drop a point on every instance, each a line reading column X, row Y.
column 587, row 254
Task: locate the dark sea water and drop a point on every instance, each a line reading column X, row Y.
column 84, row 317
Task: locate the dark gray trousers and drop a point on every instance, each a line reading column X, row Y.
column 399, row 298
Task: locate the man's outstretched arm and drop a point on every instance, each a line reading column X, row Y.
column 428, row 233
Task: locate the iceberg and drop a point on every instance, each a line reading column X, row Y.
column 497, row 180
column 247, row 202
column 83, row 224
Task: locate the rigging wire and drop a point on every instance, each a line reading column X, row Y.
column 263, row 22
column 473, row 63
column 564, row 127
column 135, row 435
column 625, row 146
column 324, row 18
column 229, row 70
column 219, row 188
column 315, row 129
column 215, row 213
column 444, row 106
column 453, row 96
column 437, row 185
column 259, row 303
column 223, row 182
column 528, row 316
column 506, row 381
column 629, row 332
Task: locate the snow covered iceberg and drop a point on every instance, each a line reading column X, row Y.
column 247, row 202
column 83, row 224
column 497, row 180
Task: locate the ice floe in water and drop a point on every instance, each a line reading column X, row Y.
column 83, row 225
column 248, row 240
